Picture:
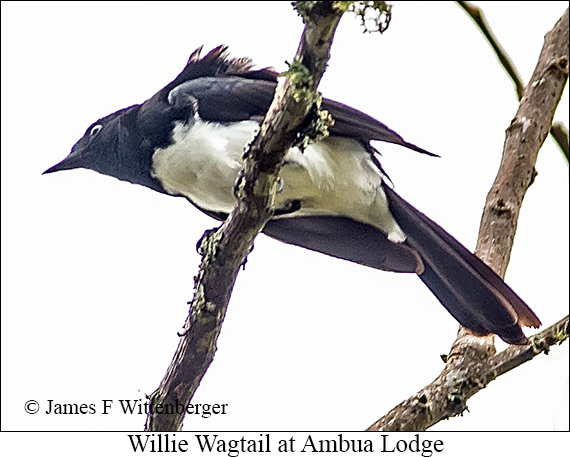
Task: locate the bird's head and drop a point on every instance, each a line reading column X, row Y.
column 113, row 147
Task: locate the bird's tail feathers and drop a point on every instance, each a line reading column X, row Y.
column 471, row 291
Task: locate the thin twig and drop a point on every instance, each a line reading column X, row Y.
column 540, row 343
column 477, row 15
column 479, row 18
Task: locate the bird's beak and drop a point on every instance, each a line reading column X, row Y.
column 73, row 160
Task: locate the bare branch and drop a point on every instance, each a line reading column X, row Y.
column 472, row 363
column 224, row 251
column 478, row 17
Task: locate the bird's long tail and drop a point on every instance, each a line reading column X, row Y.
column 473, row 293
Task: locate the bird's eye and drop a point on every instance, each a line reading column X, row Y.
column 95, row 130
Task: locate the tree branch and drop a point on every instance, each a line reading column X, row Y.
column 477, row 15
column 461, row 379
column 225, row 250
column 472, row 362
column 514, row 356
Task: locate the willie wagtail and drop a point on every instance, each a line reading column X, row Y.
column 189, row 139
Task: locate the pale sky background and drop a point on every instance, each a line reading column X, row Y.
column 96, row 272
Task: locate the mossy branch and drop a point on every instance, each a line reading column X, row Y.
column 225, row 250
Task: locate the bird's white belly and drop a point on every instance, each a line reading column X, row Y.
column 334, row 176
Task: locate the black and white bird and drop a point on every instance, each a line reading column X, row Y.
column 189, row 139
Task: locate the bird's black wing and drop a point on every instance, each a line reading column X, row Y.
column 355, row 124
column 224, row 99
column 244, row 97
